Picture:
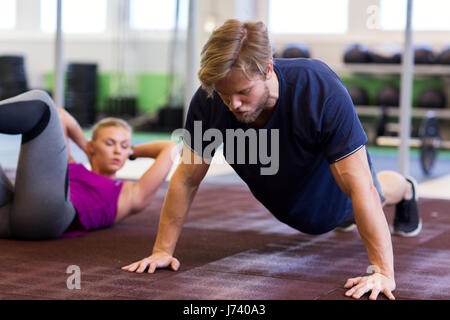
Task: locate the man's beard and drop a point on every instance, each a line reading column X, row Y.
column 251, row 117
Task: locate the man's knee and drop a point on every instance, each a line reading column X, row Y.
column 393, row 185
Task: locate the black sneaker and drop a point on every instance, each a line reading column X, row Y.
column 348, row 225
column 407, row 222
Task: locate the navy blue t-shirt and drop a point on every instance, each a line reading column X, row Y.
column 317, row 126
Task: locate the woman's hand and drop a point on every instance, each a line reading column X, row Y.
column 376, row 283
column 156, row 260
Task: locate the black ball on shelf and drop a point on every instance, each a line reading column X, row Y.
column 296, row 50
column 424, row 54
column 359, row 95
column 386, row 53
column 444, row 56
column 388, row 96
column 432, row 98
column 357, row 53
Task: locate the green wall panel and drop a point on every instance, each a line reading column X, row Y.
column 151, row 89
column 373, row 83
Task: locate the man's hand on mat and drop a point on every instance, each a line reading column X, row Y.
column 156, row 260
column 376, row 283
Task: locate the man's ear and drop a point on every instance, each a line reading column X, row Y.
column 269, row 70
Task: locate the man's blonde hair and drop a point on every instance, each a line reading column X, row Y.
column 109, row 122
column 236, row 44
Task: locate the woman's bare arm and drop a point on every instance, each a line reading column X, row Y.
column 73, row 131
column 143, row 191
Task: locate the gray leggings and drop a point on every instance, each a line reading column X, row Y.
column 38, row 206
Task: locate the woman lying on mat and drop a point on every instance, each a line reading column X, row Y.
column 56, row 197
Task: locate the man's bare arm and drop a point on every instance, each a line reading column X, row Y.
column 182, row 189
column 355, row 179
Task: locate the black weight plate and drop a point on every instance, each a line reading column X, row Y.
column 428, row 154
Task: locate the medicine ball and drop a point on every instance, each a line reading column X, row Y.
column 444, row 56
column 388, row 96
column 359, row 95
column 386, row 53
column 296, row 50
column 424, row 55
column 357, row 53
column 432, row 98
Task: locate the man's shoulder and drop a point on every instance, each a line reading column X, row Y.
column 201, row 98
column 209, row 109
column 302, row 67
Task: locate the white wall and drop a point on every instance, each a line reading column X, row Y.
column 330, row 48
column 146, row 51
column 139, row 51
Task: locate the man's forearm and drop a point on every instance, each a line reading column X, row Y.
column 374, row 230
column 173, row 215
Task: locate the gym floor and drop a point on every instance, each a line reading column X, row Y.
column 230, row 248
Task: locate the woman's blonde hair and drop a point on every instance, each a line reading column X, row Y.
column 109, row 122
column 236, row 44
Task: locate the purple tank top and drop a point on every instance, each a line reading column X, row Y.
column 94, row 197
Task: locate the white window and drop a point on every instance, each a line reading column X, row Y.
column 428, row 15
column 78, row 16
column 157, row 14
column 306, row 16
column 7, row 14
